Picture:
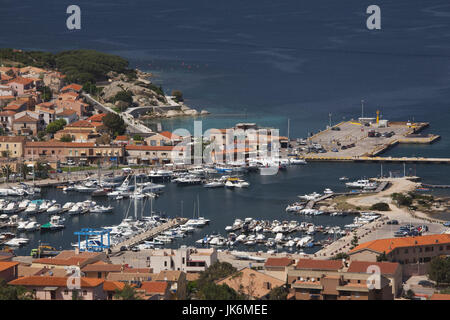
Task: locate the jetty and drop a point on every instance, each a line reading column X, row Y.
column 148, row 234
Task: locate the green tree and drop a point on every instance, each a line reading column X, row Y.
column 55, row 126
column 14, row 292
column 278, row 293
column 46, row 93
column 41, row 169
column 354, row 242
column 439, row 270
column 125, row 96
column 76, row 295
column 178, row 95
column 137, row 137
column 66, row 138
column 41, row 135
column 380, row 206
column 340, row 256
column 382, row 257
column 7, row 171
column 127, row 293
column 114, row 123
column 212, row 291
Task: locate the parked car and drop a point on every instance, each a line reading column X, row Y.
column 392, row 222
column 123, row 248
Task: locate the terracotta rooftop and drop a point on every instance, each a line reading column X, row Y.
column 316, row 264
column 168, row 275
column 260, row 283
column 278, row 262
column 97, row 117
column 65, row 112
column 26, row 119
column 72, row 86
column 390, row 244
column 362, row 266
column 150, row 148
column 170, row 135
column 59, row 144
column 102, row 267
column 20, row 80
column 44, row 281
column 122, row 138
column 5, row 265
column 152, row 287
column 440, row 296
column 12, row 139
column 113, row 285
column 84, row 124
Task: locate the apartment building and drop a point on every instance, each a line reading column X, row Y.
column 330, row 280
column 153, row 154
column 12, row 147
column 185, row 259
column 413, row 253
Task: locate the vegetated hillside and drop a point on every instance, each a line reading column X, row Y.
column 79, row 66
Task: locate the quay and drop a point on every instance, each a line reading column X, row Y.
column 364, row 141
column 377, row 159
column 148, row 234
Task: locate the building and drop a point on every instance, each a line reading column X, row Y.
column 67, row 114
column 56, row 288
column 278, row 267
column 164, row 138
column 329, row 280
column 252, row 283
column 82, row 131
column 21, row 85
column 12, row 147
column 73, row 87
column 69, row 258
column 154, row 290
column 26, row 126
column 413, row 253
column 8, row 270
column 185, row 259
column 102, row 270
column 391, row 270
column 7, row 119
column 87, row 153
column 153, row 154
column 111, row 287
column 176, row 280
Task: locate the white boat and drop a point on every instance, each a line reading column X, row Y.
column 54, row 209
column 344, row 178
column 294, row 207
column 67, row 206
column 361, row 184
column 328, row 191
column 17, row 242
column 76, row 209
column 214, row 184
column 32, row 208
column 297, row 161
column 10, row 208
column 32, row 226
column 101, row 209
column 311, row 196
column 23, row 205
column 236, row 183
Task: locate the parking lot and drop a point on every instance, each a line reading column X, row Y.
column 351, row 139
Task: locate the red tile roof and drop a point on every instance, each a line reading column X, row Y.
column 97, row 117
column 169, row 135
column 362, row 267
column 12, row 139
column 84, row 124
column 390, row 244
column 73, row 86
column 56, row 143
column 44, row 281
column 65, row 112
column 278, row 262
column 26, row 119
column 113, row 285
column 440, row 296
column 102, row 267
column 20, row 80
column 5, row 265
column 73, row 261
column 315, row 264
column 150, row 148
column 154, row 286
column 122, row 138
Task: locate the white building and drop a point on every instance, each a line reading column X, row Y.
column 185, row 259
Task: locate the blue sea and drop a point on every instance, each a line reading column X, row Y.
column 267, row 62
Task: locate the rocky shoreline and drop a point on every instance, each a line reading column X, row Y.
column 124, row 94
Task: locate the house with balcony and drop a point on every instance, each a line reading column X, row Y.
column 186, row 259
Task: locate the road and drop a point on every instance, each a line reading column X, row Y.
column 134, row 125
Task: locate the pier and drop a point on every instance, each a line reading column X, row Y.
column 377, row 159
column 148, row 234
